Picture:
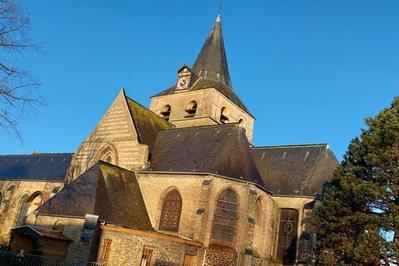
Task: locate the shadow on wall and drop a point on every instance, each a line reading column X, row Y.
column 83, row 248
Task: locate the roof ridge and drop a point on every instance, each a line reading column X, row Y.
column 147, row 109
column 100, row 162
column 203, row 126
column 292, row 146
column 37, row 154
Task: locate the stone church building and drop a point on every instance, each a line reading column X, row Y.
column 179, row 183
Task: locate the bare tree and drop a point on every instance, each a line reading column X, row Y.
column 17, row 87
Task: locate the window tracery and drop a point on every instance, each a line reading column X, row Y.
column 225, row 216
column 287, row 238
column 171, row 210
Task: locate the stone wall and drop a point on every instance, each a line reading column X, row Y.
column 113, row 140
column 210, row 102
column 258, row 211
column 127, row 249
column 14, row 194
column 199, row 194
column 79, row 250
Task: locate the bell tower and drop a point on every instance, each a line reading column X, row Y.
column 203, row 94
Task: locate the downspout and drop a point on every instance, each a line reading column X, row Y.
column 203, row 260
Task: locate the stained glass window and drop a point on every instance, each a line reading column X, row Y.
column 287, row 239
column 170, row 214
column 224, row 219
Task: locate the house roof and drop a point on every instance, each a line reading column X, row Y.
column 40, row 232
column 108, row 191
column 219, row 149
column 147, row 123
column 295, row 170
column 41, row 166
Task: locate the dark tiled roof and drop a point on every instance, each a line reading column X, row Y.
column 40, row 232
column 295, row 170
column 105, row 190
column 147, row 123
column 211, row 62
column 221, row 149
column 41, row 166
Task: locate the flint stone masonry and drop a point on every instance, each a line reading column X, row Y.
column 127, row 249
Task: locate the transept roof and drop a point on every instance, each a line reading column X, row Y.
column 147, row 123
column 108, row 191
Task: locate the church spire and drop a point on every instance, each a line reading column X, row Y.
column 211, row 62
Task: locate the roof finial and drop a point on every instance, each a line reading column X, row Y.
column 220, row 10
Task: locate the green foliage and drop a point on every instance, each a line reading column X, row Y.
column 362, row 200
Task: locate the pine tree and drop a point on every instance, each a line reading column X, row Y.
column 361, row 203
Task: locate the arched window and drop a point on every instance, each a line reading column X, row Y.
column 29, row 204
column 22, row 210
column 225, row 216
column 258, row 211
column 191, row 109
column 171, row 210
column 223, row 116
column 287, row 236
column 166, row 110
column 107, row 154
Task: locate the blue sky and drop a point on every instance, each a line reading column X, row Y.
column 310, row 71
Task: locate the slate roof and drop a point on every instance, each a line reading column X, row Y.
column 40, row 232
column 108, row 191
column 147, row 123
column 220, row 149
column 211, row 62
column 295, row 170
column 211, row 68
column 41, row 166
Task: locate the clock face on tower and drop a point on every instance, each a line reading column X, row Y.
column 183, row 80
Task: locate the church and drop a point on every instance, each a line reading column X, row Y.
column 178, row 183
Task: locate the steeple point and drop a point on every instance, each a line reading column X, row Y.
column 211, row 62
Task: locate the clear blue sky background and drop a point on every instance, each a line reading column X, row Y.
column 310, row 71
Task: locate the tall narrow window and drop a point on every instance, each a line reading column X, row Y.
column 191, row 109
column 166, row 110
column 287, row 238
column 171, row 210
column 224, row 219
column 106, row 250
column 223, row 116
column 22, row 210
column 147, row 256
